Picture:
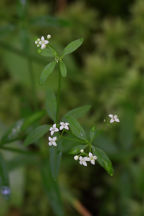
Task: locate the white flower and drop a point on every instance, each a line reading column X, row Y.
column 81, row 150
column 52, row 141
column 92, row 158
column 83, row 160
column 113, row 118
column 76, row 157
column 48, row 36
column 43, row 42
column 53, row 129
column 64, row 125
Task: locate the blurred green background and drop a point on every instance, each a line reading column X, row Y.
column 106, row 72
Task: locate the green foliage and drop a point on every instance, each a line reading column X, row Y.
column 47, row 71
column 36, row 134
column 78, row 112
column 103, row 160
column 4, row 178
column 51, row 104
column 72, row 46
column 63, row 69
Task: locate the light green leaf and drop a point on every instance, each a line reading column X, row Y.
column 63, row 69
column 103, row 160
column 76, row 150
column 78, row 112
column 76, row 128
column 36, row 134
column 51, row 188
column 47, row 71
column 48, row 52
column 72, row 46
column 4, row 179
column 51, row 104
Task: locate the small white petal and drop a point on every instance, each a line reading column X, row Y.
column 81, row 150
column 43, row 46
column 46, row 42
column 61, row 127
column 66, row 127
column 90, row 154
column 48, row 36
column 42, row 38
column 84, row 163
column 110, row 115
column 93, row 162
column 112, row 120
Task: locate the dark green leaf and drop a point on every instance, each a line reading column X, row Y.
column 52, row 189
column 76, row 128
column 92, row 133
column 63, row 69
column 78, row 112
column 103, row 160
column 36, row 134
column 47, row 71
column 55, row 160
column 48, row 52
column 51, row 104
column 4, row 179
column 76, row 149
column 72, row 46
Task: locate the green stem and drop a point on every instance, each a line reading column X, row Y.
column 18, row 150
column 58, row 96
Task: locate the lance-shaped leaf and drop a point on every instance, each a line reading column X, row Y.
column 63, row 69
column 51, row 104
column 78, row 112
column 72, row 46
column 4, row 179
column 55, row 160
column 76, row 128
column 36, row 134
column 103, row 160
column 47, row 71
column 51, row 188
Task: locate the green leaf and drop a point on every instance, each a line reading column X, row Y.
column 32, row 119
column 78, row 112
column 103, row 160
column 92, row 133
column 36, row 134
column 76, row 150
column 47, row 71
column 76, row 128
column 51, row 104
column 72, row 46
column 55, row 159
column 63, row 69
column 48, row 52
column 4, row 178
column 51, row 188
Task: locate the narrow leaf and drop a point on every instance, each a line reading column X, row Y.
column 103, row 160
column 52, row 189
column 63, row 69
column 47, row 71
column 55, row 160
column 78, row 112
column 51, row 104
column 36, row 134
column 72, row 46
column 76, row 128
column 4, row 179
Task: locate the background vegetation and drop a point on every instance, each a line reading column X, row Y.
column 106, row 72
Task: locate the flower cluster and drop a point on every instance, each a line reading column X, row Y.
column 84, row 159
column 113, row 118
column 41, row 42
column 54, row 129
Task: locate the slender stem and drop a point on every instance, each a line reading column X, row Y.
column 17, row 150
column 58, row 96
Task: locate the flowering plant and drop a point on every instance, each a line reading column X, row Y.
column 62, row 131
